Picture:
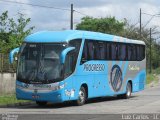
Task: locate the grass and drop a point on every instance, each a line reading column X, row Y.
column 153, row 77
column 156, row 71
column 10, row 99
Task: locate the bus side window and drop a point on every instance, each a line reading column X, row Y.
column 129, row 52
column 75, row 43
column 132, row 52
column 140, row 52
column 69, row 64
column 99, row 50
column 122, row 52
column 96, row 55
column 108, row 51
column 113, row 51
column 84, row 53
column 90, row 46
column 134, row 56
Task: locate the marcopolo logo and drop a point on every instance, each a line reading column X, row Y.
column 116, row 78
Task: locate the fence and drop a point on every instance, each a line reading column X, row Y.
column 5, row 67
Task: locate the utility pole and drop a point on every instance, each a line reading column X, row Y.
column 140, row 23
column 71, row 24
column 150, row 60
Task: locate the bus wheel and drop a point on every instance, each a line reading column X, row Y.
column 40, row 103
column 127, row 95
column 82, row 96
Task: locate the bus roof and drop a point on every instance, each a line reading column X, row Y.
column 67, row 35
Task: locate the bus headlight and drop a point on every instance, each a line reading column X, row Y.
column 58, row 87
column 61, row 86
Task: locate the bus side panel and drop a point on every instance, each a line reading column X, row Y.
column 87, row 80
column 114, row 70
column 68, row 91
column 133, row 71
column 99, row 83
column 95, row 75
column 136, row 72
column 102, row 79
column 139, row 81
column 83, row 75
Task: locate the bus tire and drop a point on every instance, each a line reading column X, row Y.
column 41, row 103
column 127, row 95
column 82, row 96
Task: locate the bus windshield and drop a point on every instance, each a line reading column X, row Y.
column 40, row 63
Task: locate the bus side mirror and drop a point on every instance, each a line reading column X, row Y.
column 64, row 53
column 11, row 55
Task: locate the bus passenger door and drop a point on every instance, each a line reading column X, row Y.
column 85, row 69
column 69, row 67
column 86, row 75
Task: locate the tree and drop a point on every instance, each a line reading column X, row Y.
column 13, row 32
column 105, row 25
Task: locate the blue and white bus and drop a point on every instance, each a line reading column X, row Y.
column 73, row 65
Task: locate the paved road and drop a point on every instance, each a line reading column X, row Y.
column 147, row 101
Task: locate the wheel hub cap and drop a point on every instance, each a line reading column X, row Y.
column 81, row 96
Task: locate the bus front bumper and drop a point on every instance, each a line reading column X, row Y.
column 52, row 96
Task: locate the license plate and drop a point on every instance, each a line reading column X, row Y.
column 35, row 96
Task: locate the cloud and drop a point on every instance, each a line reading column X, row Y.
column 54, row 19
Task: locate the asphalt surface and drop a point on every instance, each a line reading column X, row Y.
column 147, row 101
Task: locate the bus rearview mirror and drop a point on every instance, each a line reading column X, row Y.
column 64, row 53
column 11, row 55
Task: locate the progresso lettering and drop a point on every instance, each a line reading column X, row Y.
column 94, row 67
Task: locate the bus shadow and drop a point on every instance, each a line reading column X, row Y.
column 71, row 104
column 105, row 99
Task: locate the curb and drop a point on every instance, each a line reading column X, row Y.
column 17, row 104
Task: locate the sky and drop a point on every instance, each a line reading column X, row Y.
column 59, row 19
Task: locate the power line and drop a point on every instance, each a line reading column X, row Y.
column 42, row 6
column 152, row 16
column 148, row 21
column 155, row 15
column 81, row 13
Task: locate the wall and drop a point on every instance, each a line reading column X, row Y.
column 7, row 83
